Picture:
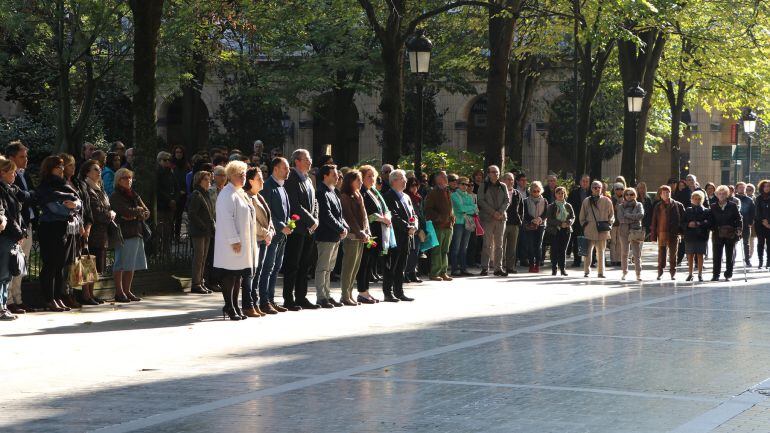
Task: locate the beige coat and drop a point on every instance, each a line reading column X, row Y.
column 603, row 211
column 264, row 221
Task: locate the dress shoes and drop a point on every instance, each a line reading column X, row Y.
column 390, row 298
column 404, row 298
column 307, row 305
column 324, row 303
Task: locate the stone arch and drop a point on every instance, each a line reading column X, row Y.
column 193, row 132
column 345, row 141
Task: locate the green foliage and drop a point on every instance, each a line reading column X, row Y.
column 461, row 162
column 36, row 132
column 433, row 131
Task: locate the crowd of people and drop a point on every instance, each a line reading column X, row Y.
column 251, row 217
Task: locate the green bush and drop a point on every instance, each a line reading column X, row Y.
column 36, row 133
column 461, row 162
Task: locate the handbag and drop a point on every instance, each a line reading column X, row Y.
column 469, row 224
column 18, row 264
column 601, row 226
column 114, row 235
column 88, row 267
column 479, row 228
column 146, row 231
column 431, row 240
column 726, row 232
column 582, row 243
column 531, row 227
column 75, row 276
column 636, row 235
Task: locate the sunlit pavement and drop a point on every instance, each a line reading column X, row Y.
column 527, row 353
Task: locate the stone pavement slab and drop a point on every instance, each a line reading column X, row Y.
column 520, row 354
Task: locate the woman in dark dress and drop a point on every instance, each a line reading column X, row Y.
column 695, row 226
column 379, row 218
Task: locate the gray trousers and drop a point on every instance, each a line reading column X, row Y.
column 511, row 243
column 492, row 251
column 327, row 257
column 200, row 246
column 351, row 261
column 14, row 293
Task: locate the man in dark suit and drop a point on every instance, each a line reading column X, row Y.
column 332, row 228
column 575, row 199
column 405, row 224
column 277, row 198
column 299, row 245
column 17, row 152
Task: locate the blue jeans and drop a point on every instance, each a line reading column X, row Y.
column 533, row 242
column 459, row 248
column 250, row 283
column 270, row 268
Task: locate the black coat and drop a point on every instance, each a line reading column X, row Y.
column 15, row 228
column 761, row 210
column 575, row 199
column 300, row 201
column 166, row 188
column 700, row 215
column 27, row 196
column 201, row 214
column 331, row 224
column 373, row 205
column 400, row 216
column 515, row 211
column 729, row 216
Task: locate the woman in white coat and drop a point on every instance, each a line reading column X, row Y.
column 236, row 251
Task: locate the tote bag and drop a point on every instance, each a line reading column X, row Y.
column 479, row 229
column 431, row 240
column 582, row 243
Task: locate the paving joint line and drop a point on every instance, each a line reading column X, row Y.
column 160, row 418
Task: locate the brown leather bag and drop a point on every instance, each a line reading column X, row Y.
column 726, row 233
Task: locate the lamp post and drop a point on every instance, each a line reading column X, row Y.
column 419, row 47
column 634, row 99
column 749, row 126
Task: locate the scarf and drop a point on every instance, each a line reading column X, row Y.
column 561, row 210
column 535, row 206
column 127, row 192
column 95, row 185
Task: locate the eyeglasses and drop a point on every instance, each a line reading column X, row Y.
column 596, row 187
column 96, row 169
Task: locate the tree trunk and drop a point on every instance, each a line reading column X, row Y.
column 63, row 116
column 392, row 100
column 500, row 43
column 638, row 65
column 78, row 130
column 524, row 77
column 675, row 94
column 191, row 107
column 342, row 116
column 147, row 17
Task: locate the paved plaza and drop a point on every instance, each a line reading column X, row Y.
column 532, row 354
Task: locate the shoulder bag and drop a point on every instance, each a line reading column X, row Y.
column 18, row 263
column 601, row 226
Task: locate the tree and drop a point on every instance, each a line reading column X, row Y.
column 393, row 22
column 71, row 49
column 147, row 16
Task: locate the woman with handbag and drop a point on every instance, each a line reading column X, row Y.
column 726, row 223
column 559, row 219
column 131, row 216
column 464, row 208
column 630, row 214
column 12, row 232
column 695, row 226
column 58, row 228
column 596, row 218
column 535, row 206
column 101, row 216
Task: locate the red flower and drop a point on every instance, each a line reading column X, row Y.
column 295, row 217
column 411, row 219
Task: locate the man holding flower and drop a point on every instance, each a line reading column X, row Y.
column 277, row 198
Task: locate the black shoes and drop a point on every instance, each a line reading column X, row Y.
column 200, row 290
column 307, row 305
column 465, row 274
column 483, row 273
column 689, row 278
column 324, row 303
column 390, row 298
column 715, row 278
column 291, row 306
column 405, row 298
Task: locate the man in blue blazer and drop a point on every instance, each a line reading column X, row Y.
column 277, row 198
column 332, row 228
column 298, row 255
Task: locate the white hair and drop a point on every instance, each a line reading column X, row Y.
column 396, row 174
column 386, row 168
column 297, row 154
column 163, row 155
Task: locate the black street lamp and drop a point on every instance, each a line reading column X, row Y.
column 749, row 126
column 419, row 47
column 634, row 100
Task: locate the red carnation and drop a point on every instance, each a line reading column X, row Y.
column 295, row 217
column 411, row 219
